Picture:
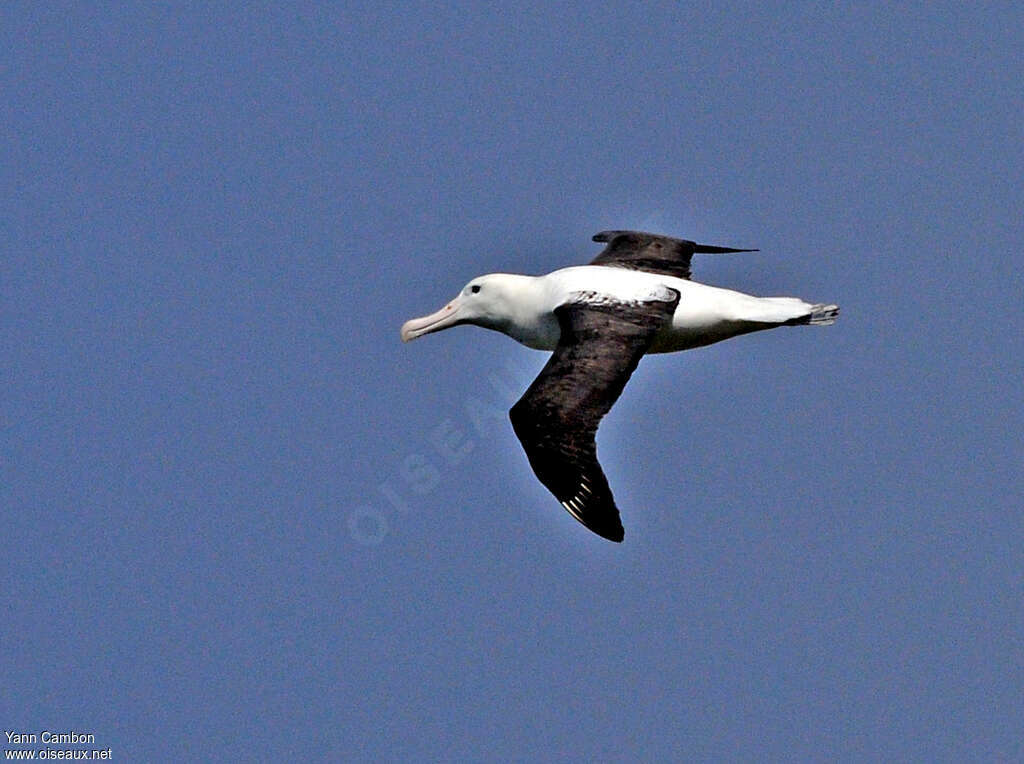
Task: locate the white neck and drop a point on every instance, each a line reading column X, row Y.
column 521, row 309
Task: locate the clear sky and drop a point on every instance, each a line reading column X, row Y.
column 241, row 518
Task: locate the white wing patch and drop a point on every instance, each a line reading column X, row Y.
column 646, row 293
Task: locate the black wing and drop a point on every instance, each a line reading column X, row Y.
column 653, row 253
column 557, row 417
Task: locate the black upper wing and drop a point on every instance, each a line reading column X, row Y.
column 557, row 417
column 653, row 253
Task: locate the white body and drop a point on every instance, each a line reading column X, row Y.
column 705, row 314
column 523, row 306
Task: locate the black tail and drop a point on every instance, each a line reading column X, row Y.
column 820, row 315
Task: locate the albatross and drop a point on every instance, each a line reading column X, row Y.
column 635, row 297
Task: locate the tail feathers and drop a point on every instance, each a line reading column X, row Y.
column 820, row 315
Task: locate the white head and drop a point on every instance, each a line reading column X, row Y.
column 493, row 301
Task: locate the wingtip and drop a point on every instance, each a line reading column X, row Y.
column 610, row 533
column 709, row 249
column 702, row 249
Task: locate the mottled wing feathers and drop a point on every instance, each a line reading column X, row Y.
column 653, row 253
column 556, row 419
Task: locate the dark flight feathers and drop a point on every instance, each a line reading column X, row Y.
column 556, row 419
column 653, row 253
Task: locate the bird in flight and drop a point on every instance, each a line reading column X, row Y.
column 635, row 297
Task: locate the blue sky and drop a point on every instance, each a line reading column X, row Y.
column 240, row 516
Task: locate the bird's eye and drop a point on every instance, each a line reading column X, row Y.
column 475, row 288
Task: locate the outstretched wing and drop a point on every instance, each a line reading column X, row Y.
column 556, row 419
column 653, row 253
